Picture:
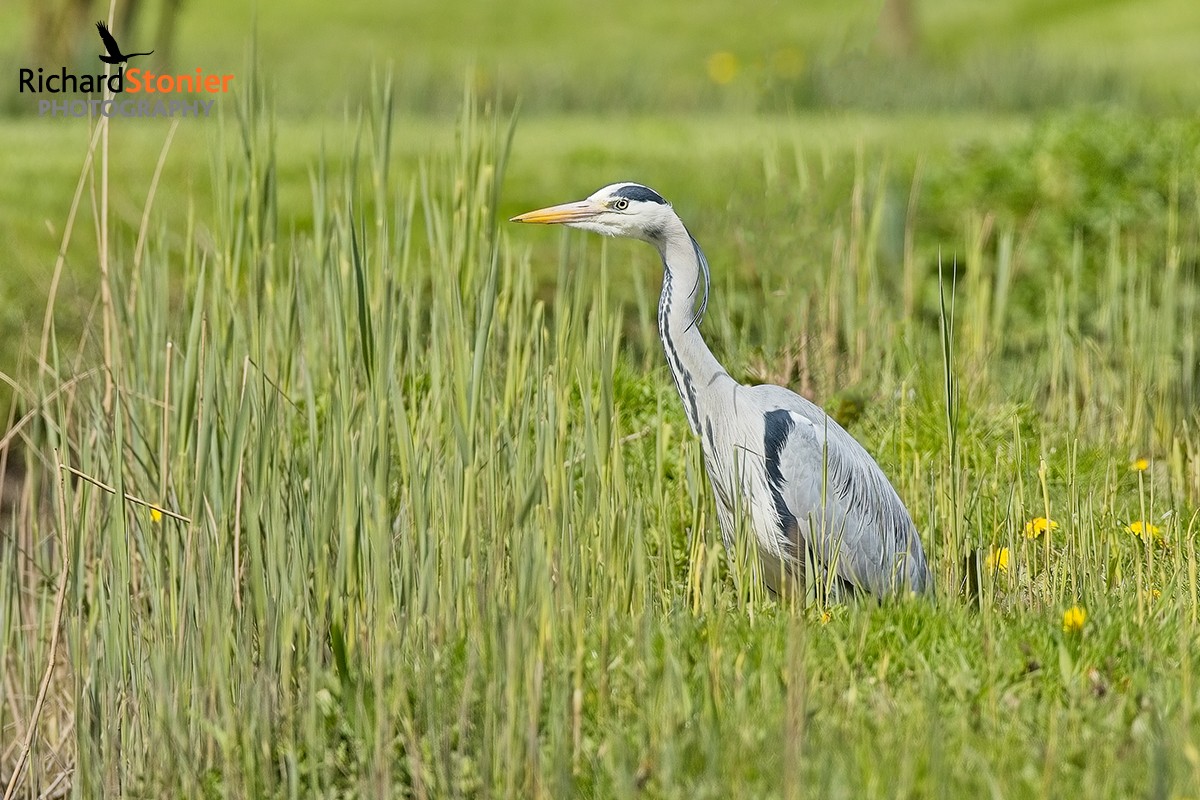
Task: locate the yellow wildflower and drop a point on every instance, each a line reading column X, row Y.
column 1139, row 465
column 155, row 515
column 1143, row 529
column 1073, row 619
column 722, row 67
column 1039, row 525
column 826, row 617
column 997, row 560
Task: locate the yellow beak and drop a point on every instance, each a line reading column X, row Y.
column 567, row 212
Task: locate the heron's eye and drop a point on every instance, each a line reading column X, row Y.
column 620, row 204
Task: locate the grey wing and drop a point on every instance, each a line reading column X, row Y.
column 831, row 494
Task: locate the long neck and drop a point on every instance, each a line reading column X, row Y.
column 685, row 286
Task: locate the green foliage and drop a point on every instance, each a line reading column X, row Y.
column 1087, row 175
column 625, row 56
column 446, row 533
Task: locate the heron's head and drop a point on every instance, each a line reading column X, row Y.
column 622, row 209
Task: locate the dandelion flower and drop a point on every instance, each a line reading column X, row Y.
column 1073, row 619
column 1039, row 525
column 997, row 560
column 826, row 617
column 722, row 67
column 1145, row 530
column 1139, row 465
column 155, row 515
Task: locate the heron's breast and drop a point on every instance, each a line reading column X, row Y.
column 745, row 485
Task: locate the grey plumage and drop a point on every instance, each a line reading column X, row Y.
column 845, row 508
column 815, row 500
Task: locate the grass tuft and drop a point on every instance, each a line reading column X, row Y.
column 373, row 509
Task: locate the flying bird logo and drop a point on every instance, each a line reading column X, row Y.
column 114, row 56
column 130, row 92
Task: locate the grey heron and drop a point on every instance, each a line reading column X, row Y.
column 810, row 492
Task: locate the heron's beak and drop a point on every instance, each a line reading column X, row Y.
column 567, row 212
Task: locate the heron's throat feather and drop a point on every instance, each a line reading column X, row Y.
column 682, row 375
column 688, row 265
column 692, row 364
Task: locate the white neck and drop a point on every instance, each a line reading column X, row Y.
column 684, row 283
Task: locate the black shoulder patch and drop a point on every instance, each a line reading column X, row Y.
column 635, row 191
column 777, row 425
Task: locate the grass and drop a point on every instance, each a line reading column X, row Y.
column 351, row 489
column 626, row 54
column 572, row 153
column 621, row 97
column 439, row 528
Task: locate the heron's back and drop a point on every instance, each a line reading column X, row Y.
column 832, row 498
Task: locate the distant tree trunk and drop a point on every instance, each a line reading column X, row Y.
column 61, row 29
column 164, row 37
column 898, row 27
column 56, row 28
column 127, row 14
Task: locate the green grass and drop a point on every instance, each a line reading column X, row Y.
column 603, row 89
column 625, row 54
column 445, row 533
column 708, row 162
column 441, row 529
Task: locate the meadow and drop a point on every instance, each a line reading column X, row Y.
column 337, row 485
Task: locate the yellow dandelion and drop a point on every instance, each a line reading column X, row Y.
column 1073, row 619
column 1039, row 525
column 722, row 67
column 1145, row 530
column 1150, row 595
column 826, row 617
column 997, row 560
column 1139, row 465
column 155, row 515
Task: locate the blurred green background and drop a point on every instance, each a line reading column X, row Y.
column 708, row 105
column 686, row 96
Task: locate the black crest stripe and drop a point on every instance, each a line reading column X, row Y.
column 641, row 193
